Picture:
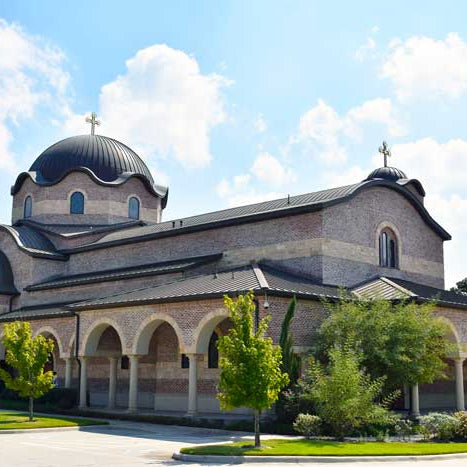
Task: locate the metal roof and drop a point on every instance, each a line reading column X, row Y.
column 238, row 280
column 109, row 161
column 33, row 242
column 7, row 283
column 399, row 289
column 253, row 212
column 106, row 157
column 387, row 173
column 141, row 270
column 53, row 310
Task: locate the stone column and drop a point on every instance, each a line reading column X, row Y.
column 83, row 384
column 133, row 392
column 415, row 401
column 113, row 361
column 460, row 404
column 68, row 371
column 193, row 385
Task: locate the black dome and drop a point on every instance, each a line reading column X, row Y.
column 387, row 173
column 107, row 158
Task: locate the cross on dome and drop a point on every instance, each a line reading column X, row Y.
column 93, row 121
column 384, row 150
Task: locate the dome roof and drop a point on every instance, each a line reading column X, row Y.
column 106, row 160
column 387, row 173
column 105, row 157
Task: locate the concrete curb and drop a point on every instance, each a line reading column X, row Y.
column 302, row 459
column 58, row 428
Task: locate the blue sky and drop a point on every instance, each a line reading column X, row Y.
column 235, row 102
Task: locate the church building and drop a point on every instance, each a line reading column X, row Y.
column 134, row 303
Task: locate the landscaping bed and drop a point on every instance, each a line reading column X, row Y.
column 20, row 421
column 303, row 447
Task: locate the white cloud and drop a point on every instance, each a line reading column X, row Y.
column 441, row 167
column 269, row 170
column 260, row 124
column 365, row 49
column 427, row 68
column 31, row 76
column 163, row 105
column 252, row 187
column 325, row 133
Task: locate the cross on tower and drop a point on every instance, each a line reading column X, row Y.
column 93, row 121
column 384, row 150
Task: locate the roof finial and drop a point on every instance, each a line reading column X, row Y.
column 384, row 150
column 93, row 121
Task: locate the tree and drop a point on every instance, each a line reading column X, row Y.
column 345, row 397
column 403, row 341
column 27, row 356
column 251, row 374
column 461, row 286
column 290, row 360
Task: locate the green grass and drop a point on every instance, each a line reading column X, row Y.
column 19, row 420
column 303, row 447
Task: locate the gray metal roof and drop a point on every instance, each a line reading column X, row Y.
column 268, row 209
column 33, row 242
column 141, row 270
column 399, row 289
column 53, row 310
column 234, row 281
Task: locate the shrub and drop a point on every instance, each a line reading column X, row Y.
column 439, row 425
column 307, row 425
column 404, row 428
column 345, row 396
column 62, row 398
column 461, row 429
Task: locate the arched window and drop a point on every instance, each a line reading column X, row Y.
column 133, row 208
column 27, row 207
column 77, row 203
column 213, row 353
column 388, row 249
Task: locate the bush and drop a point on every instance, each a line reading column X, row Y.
column 307, row 425
column 346, row 398
column 440, row 425
column 404, row 428
column 461, row 430
column 62, row 398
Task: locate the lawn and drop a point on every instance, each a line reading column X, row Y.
column 19, row 420
column 302, row 447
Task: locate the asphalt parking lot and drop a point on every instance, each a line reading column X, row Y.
column 128, row 444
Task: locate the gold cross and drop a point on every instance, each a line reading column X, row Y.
column 384, row 150
column 93, row 121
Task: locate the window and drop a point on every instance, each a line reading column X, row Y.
column 27, row 207
column 185, row 361
column 388, row 249
column 77, row 203
column 213, row 353
column 133, row 208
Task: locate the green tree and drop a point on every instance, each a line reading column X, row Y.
column 290, row 360
column 460, row 287
column 405, row 342
column 27, row 355
column 251, row 374
column 345, row 397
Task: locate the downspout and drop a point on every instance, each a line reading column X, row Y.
column 77, row 323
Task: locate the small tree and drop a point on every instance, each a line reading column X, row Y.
column 345, row 397
column 461, row 286
column 290, row 360
column 27, row 355
column 250, row 364
column 405, row 342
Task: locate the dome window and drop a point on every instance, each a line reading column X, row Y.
column 388, row 249
column 77, row 203
column 27, row 207
column 133, row 208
